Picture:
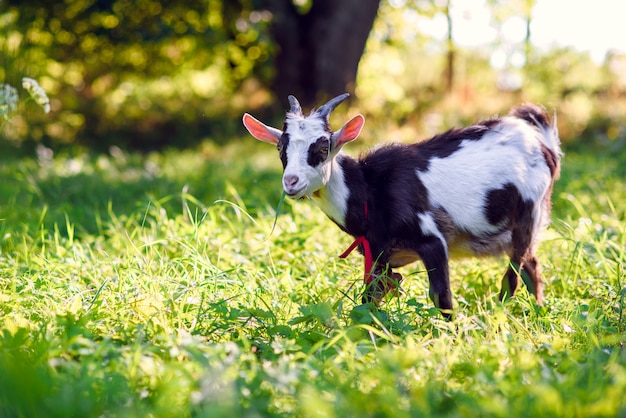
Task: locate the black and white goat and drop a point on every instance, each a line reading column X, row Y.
column 476, row 191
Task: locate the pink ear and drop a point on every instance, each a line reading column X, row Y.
column 350, row 131
column 261, row 131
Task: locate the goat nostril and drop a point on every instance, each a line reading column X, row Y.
column 291, row 181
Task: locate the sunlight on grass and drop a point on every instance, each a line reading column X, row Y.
column 152, row 285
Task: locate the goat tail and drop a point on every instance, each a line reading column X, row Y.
column 539, row 118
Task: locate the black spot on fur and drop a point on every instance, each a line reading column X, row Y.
column 318, row 152
column 499, row 203
column 283, row 143
column 506, row 206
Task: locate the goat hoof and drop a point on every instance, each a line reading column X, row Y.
column 393, row 284
column 380, row 286
column 371, row 298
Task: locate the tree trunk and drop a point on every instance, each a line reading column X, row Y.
column 451, row 52
column 318, row 52
column 528, row 10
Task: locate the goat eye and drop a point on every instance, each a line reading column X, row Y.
column 324, row 147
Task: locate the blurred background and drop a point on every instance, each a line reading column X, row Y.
column 153, row 74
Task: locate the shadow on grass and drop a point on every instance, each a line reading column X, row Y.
column 87, row 190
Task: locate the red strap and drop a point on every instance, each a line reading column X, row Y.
column 367, row 252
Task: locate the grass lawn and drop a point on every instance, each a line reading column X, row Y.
column 153, row 285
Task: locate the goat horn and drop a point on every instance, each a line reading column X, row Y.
column 295, row 105
column 331, row 105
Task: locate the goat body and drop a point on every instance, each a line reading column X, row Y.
column 476, row 191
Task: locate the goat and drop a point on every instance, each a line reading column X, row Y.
column 476, row 191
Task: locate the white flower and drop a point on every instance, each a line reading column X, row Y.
column 37, row 93
column 8, row 99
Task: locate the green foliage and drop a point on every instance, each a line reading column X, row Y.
column 156, row 284
column 401, row 81
column 10, row 98
column 151, row 286
column 150, row 72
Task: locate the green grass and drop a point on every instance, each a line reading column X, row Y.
column 151, row 286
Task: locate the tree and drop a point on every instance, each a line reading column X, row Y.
column 528, row 6
column 503, row 10
column 451, row 50
column 318, row 50
column 148, row 73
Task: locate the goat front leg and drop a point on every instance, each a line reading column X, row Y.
column 384, row 280
column 435, row 259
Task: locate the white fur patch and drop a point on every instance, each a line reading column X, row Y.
column 333, row 199
column 509, row 153
column 429, row 227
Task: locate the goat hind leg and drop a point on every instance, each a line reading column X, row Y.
column 532, row 276
column 526, row 267
column 523, row 261
column 510, row 281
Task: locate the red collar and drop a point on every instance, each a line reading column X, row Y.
column 367, row 252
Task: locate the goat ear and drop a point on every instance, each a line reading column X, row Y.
column 349, row 132
column 261, row 131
